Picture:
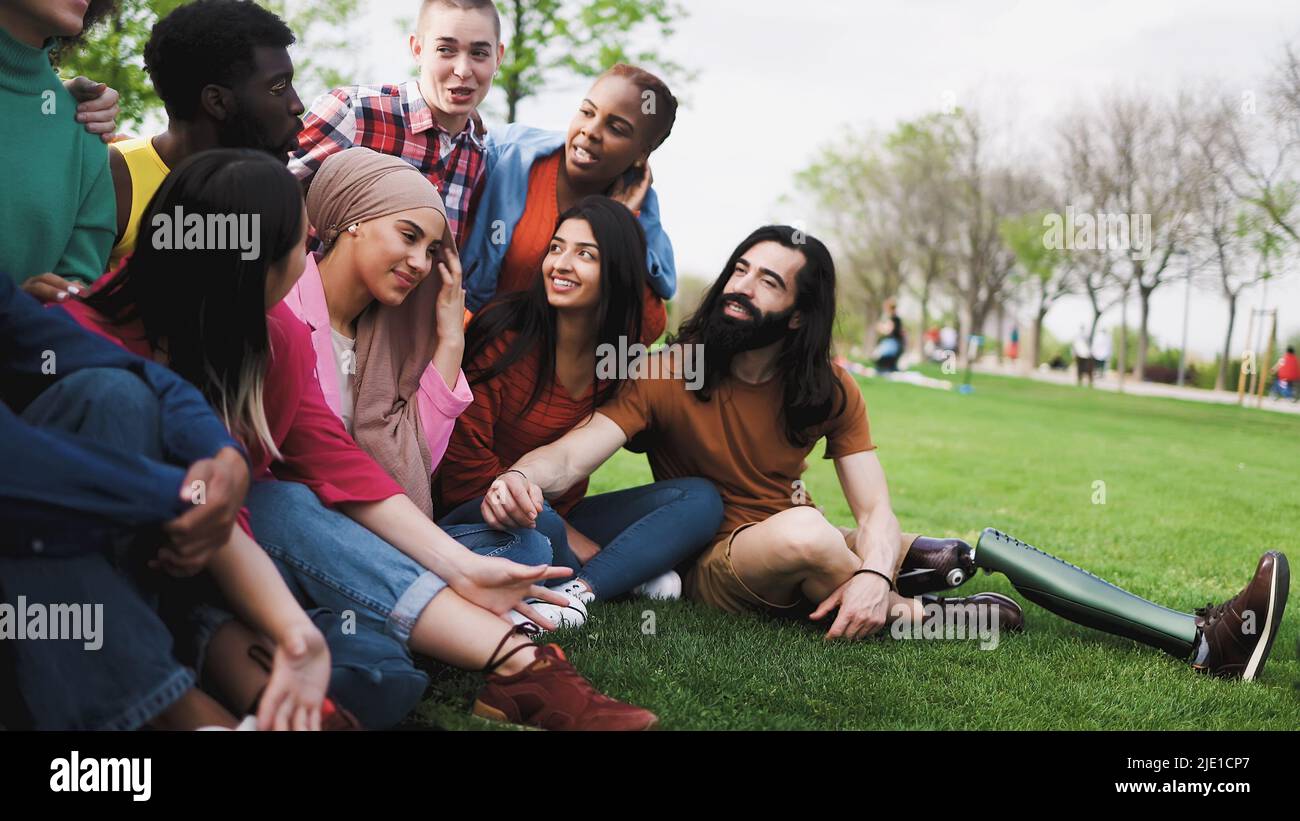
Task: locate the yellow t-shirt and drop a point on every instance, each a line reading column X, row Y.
column 147, row 174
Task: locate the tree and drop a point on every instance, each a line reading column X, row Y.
column 1146, row 173
column 988, row 193
column 550, row 38
column 113, row 52
column 1267, row 154
column 855, row 203
column 1048, row 271
column 1239, row 239
column 1084, row 188
column 922, row 153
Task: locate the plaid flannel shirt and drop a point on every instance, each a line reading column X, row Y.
column 395, row 119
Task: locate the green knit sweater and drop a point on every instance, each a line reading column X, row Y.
column 57, row 210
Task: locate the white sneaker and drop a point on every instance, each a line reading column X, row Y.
column 667, row 587
column 579, row 590
column 249, row 724
column 573, row 614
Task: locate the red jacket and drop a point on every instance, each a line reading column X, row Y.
column 1290, row 370
column 316, row 449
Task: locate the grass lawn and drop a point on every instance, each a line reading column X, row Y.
column 1194, row 494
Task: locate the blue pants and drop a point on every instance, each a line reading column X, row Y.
column 331, row 561
column 643, row 531
column 133, row 675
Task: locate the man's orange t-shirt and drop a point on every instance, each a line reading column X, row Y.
column 736, row 439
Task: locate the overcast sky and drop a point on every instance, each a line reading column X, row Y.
column 778, row 78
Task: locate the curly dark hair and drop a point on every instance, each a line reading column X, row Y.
column 98, row 10
column 208, row 42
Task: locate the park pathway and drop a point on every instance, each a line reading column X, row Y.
column 1111, row 383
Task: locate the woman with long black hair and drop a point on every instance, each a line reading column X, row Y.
column 539, row 362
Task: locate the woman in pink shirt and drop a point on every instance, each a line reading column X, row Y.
column 389, row 278
column 339, row 528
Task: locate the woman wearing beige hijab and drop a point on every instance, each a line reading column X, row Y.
column 385, row 306
column 386, row 310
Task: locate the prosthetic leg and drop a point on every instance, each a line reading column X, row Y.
column 1075, row 594
column 932, row 565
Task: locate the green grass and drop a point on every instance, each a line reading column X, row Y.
column 1193, row 494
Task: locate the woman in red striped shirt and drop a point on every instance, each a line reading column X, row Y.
column 531, row 358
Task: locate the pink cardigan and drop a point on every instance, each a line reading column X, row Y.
column 439, row 406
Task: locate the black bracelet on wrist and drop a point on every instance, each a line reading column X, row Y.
column 888, row 580
column 512, row 470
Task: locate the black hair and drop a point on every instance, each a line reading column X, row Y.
column 206, row 308
column 812, row 392
column 664, row 119
column 530, row 315
column 208, row 42
column 95, row 12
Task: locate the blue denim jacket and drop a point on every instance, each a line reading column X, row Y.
column 509, row 160
column 61, row 494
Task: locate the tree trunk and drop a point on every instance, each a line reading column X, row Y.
column 519, row 38
column 869, row 332
column 925, row 315
column 1221, row 378
column 1143, row 334
column 1002, row 323
column 1038, row 336
column 1123, row 338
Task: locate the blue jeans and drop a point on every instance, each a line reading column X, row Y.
column 328, row 560
column 136, row 673
column 133, row 676
column 643, row 531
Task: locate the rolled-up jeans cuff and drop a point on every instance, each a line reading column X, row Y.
column 411, row 604
column 179, row 682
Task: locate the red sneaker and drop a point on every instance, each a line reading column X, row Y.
column 552, row 695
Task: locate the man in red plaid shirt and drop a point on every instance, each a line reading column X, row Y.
column 428, row 122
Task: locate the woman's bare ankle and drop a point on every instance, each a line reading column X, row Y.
column 517, row 661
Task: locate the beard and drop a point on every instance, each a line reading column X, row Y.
column 241, row 131
column 730, row 336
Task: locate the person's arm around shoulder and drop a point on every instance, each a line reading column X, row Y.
column 516, row 496
column 660, row 261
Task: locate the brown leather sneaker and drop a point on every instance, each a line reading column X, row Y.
column 550, row 694
column 1010, row 617
column 1239, row 633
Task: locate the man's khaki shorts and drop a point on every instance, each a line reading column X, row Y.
column 713, row 581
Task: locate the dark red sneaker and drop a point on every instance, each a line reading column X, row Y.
column 550, row 694
column 1239, row 633
column 334, row 718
